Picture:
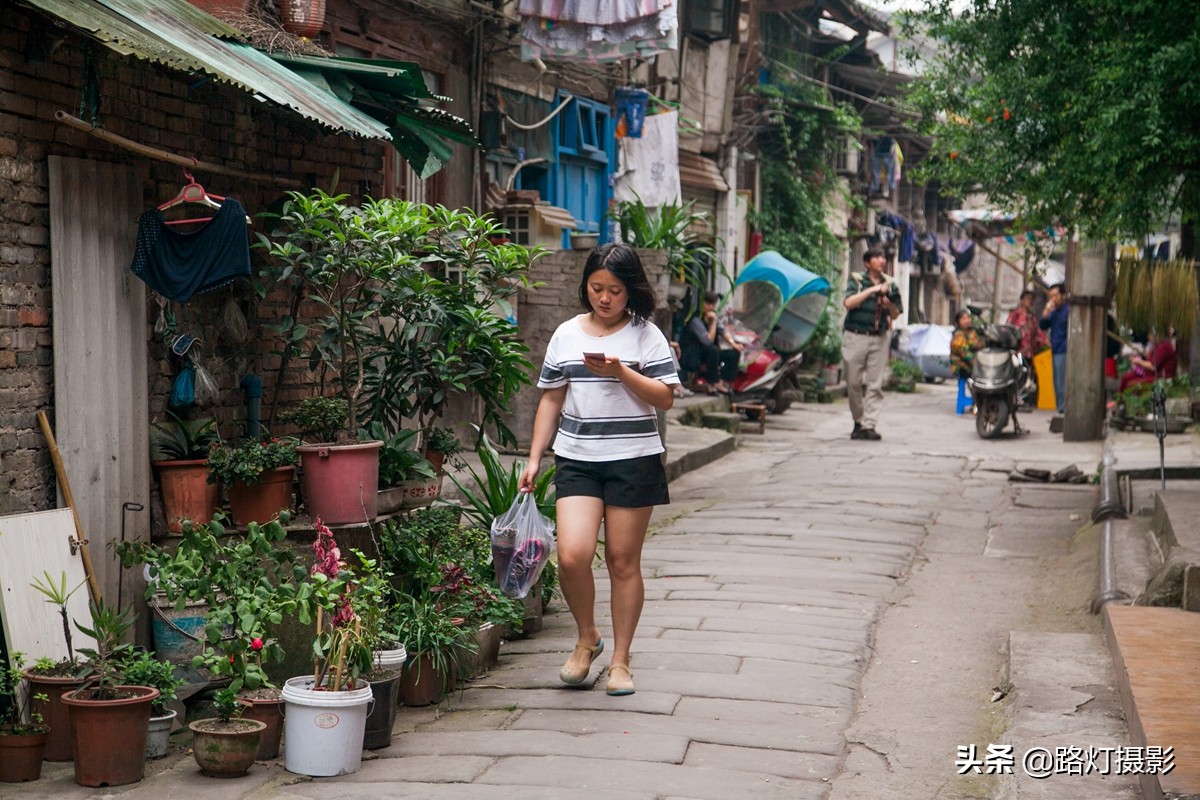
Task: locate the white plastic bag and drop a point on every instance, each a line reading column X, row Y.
column 522, row 539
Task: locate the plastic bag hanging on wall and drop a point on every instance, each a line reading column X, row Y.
column 631, row 111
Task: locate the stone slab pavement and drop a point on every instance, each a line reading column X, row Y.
column 824, row 618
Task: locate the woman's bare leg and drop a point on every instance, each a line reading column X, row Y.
column 578, row 531
column 624, row 534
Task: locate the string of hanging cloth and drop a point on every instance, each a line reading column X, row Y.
column 595, row 33
column 923, row 248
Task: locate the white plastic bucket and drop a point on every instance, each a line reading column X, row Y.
column 389, row 659
column 323, row 731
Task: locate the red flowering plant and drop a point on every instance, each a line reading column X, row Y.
column 345, row 602
column 249, row 583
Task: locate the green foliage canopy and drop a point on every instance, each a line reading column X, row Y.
column 1080, row 111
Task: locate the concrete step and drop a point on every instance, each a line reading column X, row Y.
column 1062, row 693
column 1176, row 579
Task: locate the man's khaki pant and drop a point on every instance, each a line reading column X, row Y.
column 866, row 363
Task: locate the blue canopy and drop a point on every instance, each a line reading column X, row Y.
column 783, row 301
column 792, row 279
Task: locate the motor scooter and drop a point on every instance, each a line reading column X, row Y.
column 764, row 376
column 999, row 381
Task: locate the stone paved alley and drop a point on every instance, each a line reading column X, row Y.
column 824, row 619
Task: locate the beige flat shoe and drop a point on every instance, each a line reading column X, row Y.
column 620, row 680
column 573, row 672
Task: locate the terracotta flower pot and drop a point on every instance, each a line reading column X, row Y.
column 421, row 684
column 341, row 482
column 262, row 501
column 109, row 736
column 302, row 17
column 269, row 711
column 54, row 712
column 21, row 757
column 225, row 749
column 186, row 492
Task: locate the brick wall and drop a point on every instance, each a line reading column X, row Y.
column 541, row 310
column 166, row 110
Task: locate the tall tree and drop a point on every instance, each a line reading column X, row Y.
column 1078, row 111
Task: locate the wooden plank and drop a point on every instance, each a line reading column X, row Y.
column 33, row 544
column 100, row 355
column 1155, row 654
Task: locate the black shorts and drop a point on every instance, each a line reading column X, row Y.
column 626, row 483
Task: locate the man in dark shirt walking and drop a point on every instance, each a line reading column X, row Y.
column 872, row 302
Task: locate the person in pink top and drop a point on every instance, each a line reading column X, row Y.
column 1033, row 338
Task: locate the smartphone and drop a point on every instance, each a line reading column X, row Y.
column 595, row 356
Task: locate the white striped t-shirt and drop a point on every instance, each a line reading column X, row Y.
column 602, row 420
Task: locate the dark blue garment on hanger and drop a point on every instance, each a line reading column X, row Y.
column 929, row 259
column 181, row 265
column 963, row 254
column 907, row 234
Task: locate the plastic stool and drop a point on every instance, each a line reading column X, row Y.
column 965, row 400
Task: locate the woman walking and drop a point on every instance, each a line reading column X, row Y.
column 605, row 373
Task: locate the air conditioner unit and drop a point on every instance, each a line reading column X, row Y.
column 847, row 156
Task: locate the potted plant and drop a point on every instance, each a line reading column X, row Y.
column 336, row 257
column 406, row 478
column 141, row 668
column 109, row 718
column 180, row 454
column 49, row 679
column 373, row 596
column 257, row 474
column 455, row 334
column 249, row 583
column 433, row 639
column 333, row 691
column 441, row 445
column 225, row 745
column 23, row 730
column 670, row 228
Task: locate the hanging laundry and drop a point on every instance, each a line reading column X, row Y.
column 905, row 234
column 590, row 12
column 181, row 265
column 649, row 166
column 642, row 37
column 631, row 111
column 882, row 162
column 927, row 257
column 897, row 164
column 962, row 252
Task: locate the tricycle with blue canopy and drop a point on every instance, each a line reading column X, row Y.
column 781, row 305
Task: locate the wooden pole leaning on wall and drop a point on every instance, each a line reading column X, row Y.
column 172, row 158
column 64, row 486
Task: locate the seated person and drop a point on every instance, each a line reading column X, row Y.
column 700, row 343
column 1157, row 361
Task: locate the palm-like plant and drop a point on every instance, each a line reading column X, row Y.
column 670, row 228
column 498, row 487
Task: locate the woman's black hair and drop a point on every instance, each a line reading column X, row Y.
column 623, row 262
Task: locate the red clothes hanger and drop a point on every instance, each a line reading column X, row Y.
column 192, row 192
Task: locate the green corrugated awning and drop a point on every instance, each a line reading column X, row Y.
column 359, row 98
column 393, row 92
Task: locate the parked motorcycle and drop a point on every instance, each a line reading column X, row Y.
column 782, row 303
column 1000, row 379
